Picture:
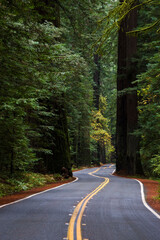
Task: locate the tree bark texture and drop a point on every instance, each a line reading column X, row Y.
column 96, row 79
column 61, row 150
column 127, row 144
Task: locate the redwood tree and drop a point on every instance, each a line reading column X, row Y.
column 127, row 144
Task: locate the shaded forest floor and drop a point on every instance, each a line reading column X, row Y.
column 151, row 190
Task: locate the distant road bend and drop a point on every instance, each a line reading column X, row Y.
column 98, row 206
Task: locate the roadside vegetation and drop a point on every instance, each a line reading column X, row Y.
column 26, row 181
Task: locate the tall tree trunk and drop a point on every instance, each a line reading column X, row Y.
column 127, row 145
column 61, row 150
column 101, row 156
column 96, row 78
column 102, row 153
column 83, row 154
column 121, row 126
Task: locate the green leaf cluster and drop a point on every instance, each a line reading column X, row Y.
column 149, row 115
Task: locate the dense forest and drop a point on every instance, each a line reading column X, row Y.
column 79, row 85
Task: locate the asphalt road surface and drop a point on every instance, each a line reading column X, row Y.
column 98, row 206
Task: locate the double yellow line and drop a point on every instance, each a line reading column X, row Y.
column 74, row 229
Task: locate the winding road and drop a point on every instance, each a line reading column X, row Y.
column 97, row 206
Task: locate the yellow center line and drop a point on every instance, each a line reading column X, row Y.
column 111, row 165
column 79, row 234
column 79, row 210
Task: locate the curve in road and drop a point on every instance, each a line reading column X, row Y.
column 116, row 211
column 74, row 230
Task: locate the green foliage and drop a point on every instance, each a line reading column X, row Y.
column 37, row 70
column 149, row 116
column 46, row 90
column 119, row 11
column 148, row 89
column 108, row 85
column 81, row 36
column 16, row 94
column 23, row 182
column 147, row 68
column 100, row 129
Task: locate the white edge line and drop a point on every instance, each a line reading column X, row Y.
column 37, row 194
column 144, row 201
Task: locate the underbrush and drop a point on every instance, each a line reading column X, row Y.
column 25, row 181
column 159, row 191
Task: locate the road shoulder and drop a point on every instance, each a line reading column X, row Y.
column 151, row 189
